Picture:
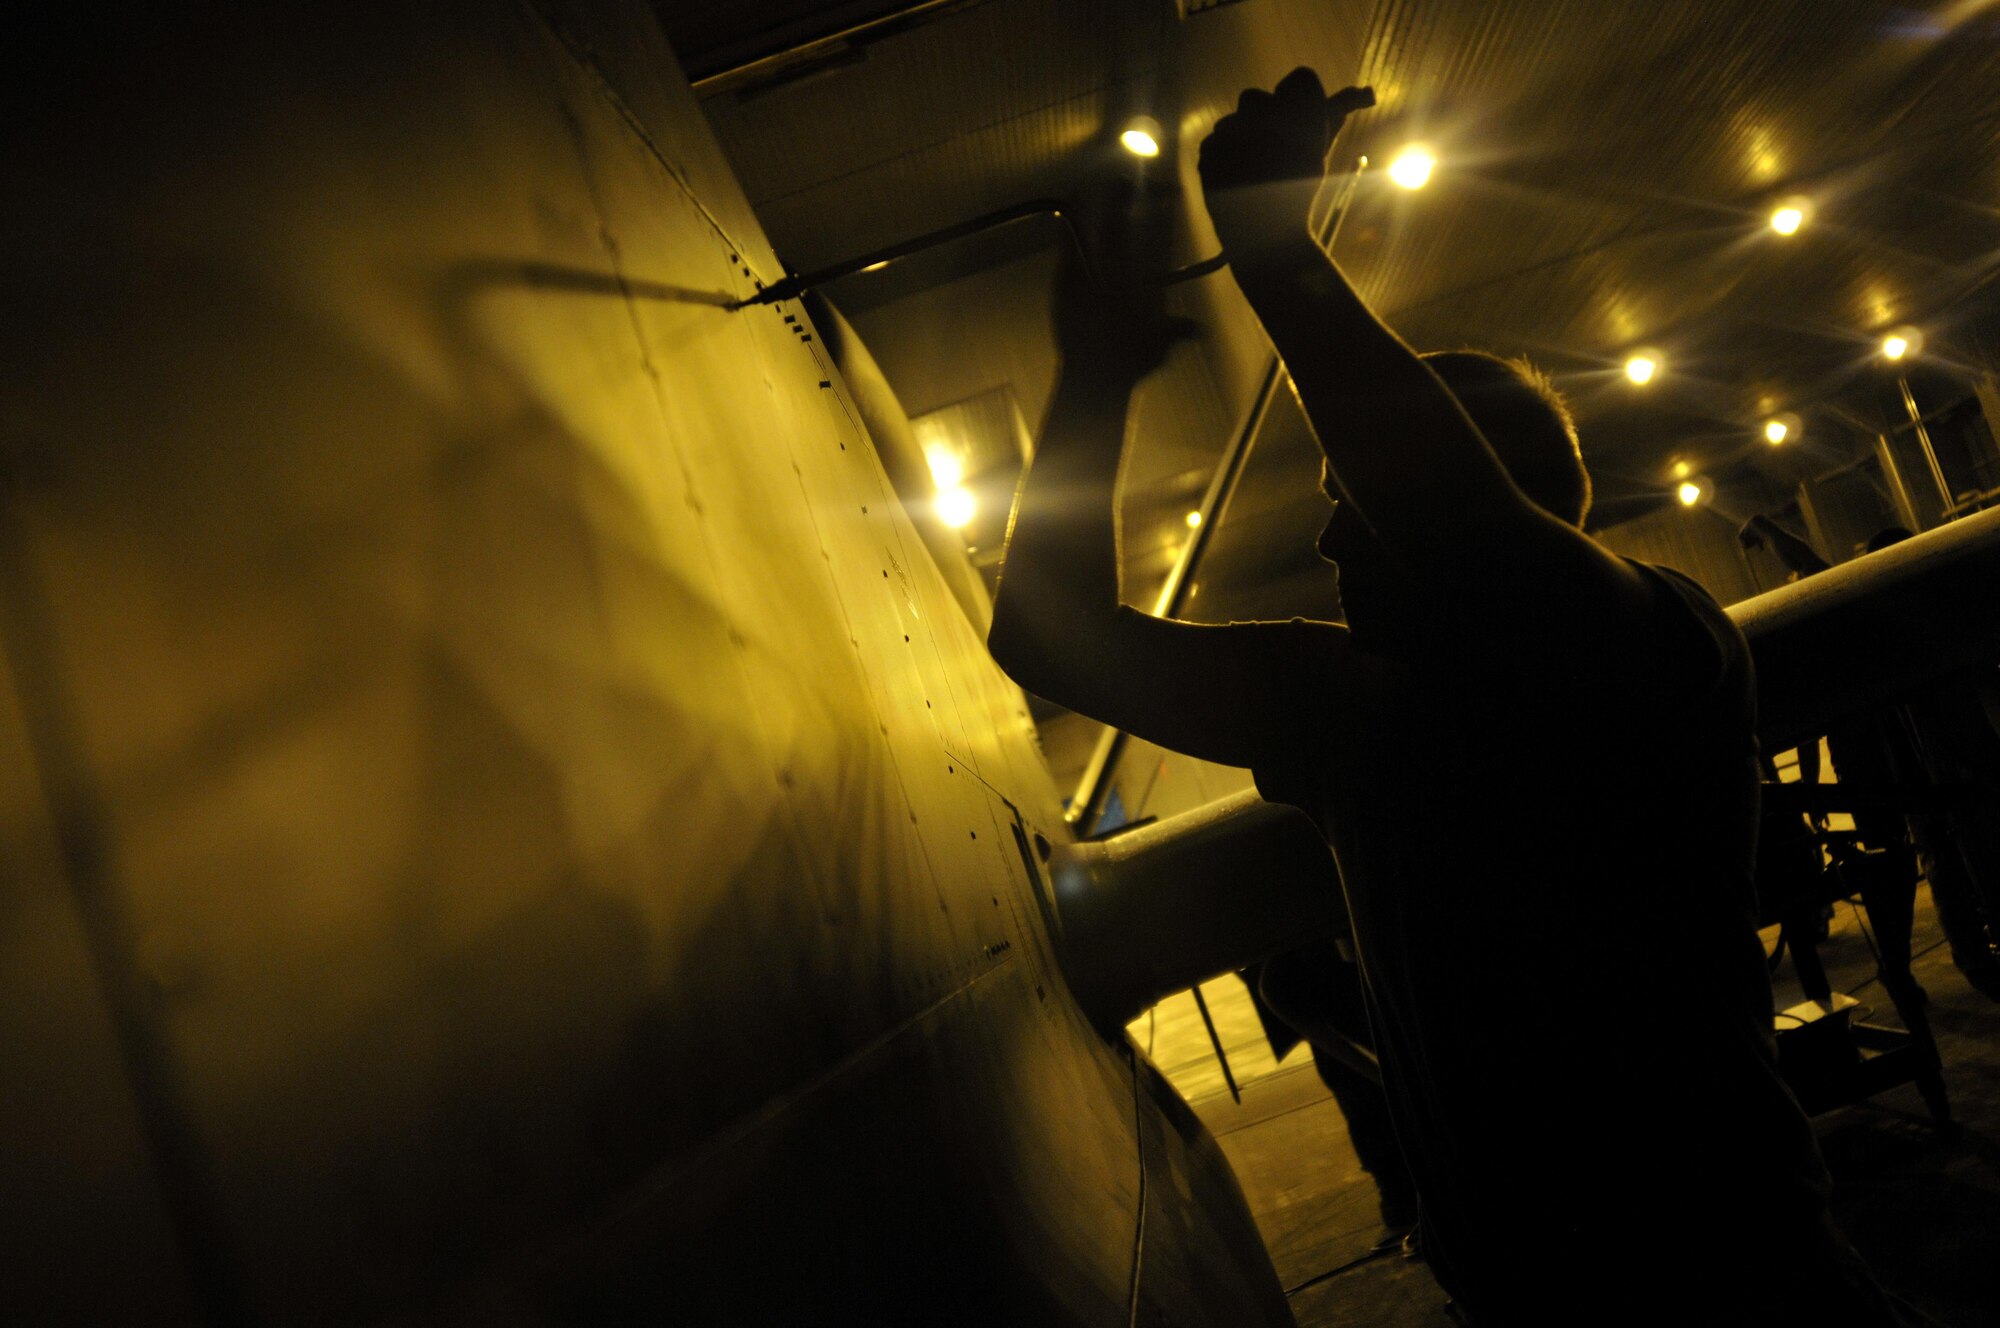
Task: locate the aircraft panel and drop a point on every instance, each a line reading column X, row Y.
column 988, row 1092
column 75, row 1160
column 517, row 827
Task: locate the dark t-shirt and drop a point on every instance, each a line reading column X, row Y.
column 1549, row 878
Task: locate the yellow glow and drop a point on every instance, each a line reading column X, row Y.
column 1641, row 368
column 1787, row 220
column 1681, row 469
column 1142, row 137
column 946, row 469
column 1194, row 520
column 1766, row 162
column 955, row 507
column 876, row 267
column 1776, row 431
column 1903, row 342
column 1689, row 493
column 1412, row 167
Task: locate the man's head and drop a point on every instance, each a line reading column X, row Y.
column 1886, row 537
column 1528, row 426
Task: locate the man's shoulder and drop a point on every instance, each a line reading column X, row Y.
column 1678, row 594
column 1710, row 657
column 1317, row 687
column 1694, row 592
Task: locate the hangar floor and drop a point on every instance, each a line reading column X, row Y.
column 1922, row 1204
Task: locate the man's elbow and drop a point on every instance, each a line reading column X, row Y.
column 1015, row 647
column 1045, row 653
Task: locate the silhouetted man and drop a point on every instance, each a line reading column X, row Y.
column 1568, row 994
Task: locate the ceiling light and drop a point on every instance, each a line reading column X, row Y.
column 1692, row 493
column 1902, row 343
column 955, row 507
column 1142, row 137
column 1194, row 520
column 1776, row 431
column 1412, row 167
column 1641, row 367
column 946, row 469
column 1791, row 215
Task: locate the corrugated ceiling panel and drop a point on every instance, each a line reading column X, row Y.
column 1606, row 174
column 1608, row 169
column 988, row 104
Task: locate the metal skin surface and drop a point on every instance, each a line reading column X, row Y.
column 503, row 819
column 881, row 416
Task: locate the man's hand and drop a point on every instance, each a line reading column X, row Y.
column 1261, row 166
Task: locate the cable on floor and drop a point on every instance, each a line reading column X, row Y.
column 1378, row 1252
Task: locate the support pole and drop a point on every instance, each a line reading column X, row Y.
column 1898, row 492
column 1215, row 1040
column 1924, row 441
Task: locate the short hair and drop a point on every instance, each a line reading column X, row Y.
column 1527, row 424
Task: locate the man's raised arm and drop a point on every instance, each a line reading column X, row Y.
column 1060, row 628
column 1398, row 443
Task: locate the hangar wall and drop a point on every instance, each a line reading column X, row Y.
column 505, row 818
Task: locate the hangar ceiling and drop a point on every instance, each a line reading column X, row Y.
column 1606, row 175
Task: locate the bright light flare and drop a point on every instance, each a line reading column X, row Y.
column 956, row 508
column 1789, row 216
column 1692, row 493
column 947, row 471
column 1776, row 431
column 1411, row 168
column 1641, row 367
column 1902, row 343
column 1142, row 137
column 1194, row 520
column 1895, row 348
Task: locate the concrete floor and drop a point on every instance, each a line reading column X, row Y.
column 1923, row 1204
